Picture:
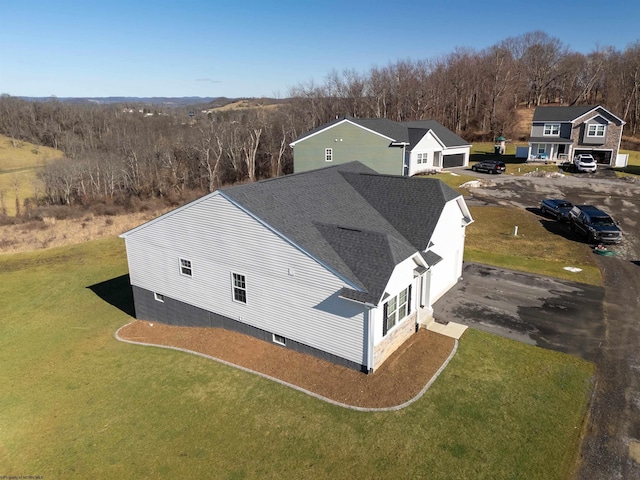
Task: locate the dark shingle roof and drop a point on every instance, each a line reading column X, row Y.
column 358, row 223
column 399, row 132
column 560, row 114
column 449, row 138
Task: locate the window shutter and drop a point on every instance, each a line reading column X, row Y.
column 384, row 319
column 409, row 300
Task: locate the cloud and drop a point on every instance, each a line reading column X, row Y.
column 208, row 80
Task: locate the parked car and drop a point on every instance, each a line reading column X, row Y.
column 585, row 162
column 594, row 224
column 489, row 166
column 556, row 208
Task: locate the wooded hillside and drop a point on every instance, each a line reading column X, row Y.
column 115, row 153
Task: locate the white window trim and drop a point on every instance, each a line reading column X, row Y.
column 551, row 134
column 233, row 288
column 406, row 309
column 190, row 267
column 595, row 135
column 328, row 154
column 279, row 339
column 422, row 158
column 158, row 297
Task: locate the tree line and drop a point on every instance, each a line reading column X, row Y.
column 113, row 155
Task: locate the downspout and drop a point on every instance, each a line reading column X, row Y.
column 404, row 159
column 370, row 322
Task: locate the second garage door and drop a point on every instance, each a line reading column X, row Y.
column 456, row 160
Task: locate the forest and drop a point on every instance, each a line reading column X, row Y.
column 114, row 153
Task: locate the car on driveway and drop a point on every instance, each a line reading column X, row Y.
column 585, row 162
column 489, row 166
column 594, row 224
column 557, row 208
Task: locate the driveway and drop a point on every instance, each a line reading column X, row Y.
column 604, row 326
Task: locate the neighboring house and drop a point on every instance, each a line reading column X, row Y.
column 341, row 263
column 393, row 148
column 560, row 133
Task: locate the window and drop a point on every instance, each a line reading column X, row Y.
column 396, row 309
column 239, row 288
column 185, row 267
column 423, row 157
column 279, row 339
column 552, row 129
column 595, row 131
column 159, row 297
column 328, row 154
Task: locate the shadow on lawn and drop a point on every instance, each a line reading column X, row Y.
column 116, row 292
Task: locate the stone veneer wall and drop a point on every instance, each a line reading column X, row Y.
column 396, row 337
column 612, row 140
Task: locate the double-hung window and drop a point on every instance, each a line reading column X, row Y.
column 595, row 130
column 423, row 157
column 551, row 129
column 239, row 288
column 328, row 154
column 185, row 267
column 396, row 309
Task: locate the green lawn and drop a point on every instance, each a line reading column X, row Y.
column 491, row 240
column 76, row 403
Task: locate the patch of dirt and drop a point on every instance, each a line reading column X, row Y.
column 400, row 378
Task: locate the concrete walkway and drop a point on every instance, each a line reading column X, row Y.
column 451, row 329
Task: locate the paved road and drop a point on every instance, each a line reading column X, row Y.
column 604, row 327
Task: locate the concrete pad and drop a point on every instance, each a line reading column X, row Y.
column 451, row 329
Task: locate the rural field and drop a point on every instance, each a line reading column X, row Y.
column 80, row 404
column 18, row 165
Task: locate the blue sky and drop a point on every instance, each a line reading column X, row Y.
column 253, row 48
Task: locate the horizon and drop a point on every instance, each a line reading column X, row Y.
column 255, row 50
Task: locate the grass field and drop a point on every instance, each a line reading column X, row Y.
column 76, row 403
column 18, row 165
column 633, row 165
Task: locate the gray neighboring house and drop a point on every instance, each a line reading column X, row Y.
column 341, row 263
column 394, row 148
column 560, row 133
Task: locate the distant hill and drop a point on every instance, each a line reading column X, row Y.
column 164, row 101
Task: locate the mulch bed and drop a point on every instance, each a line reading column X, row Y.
column 400, row 378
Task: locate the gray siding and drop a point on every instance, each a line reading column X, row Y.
column 537, row 130
column 288, row 293
column 353, row 144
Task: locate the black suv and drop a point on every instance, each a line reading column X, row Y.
column 489, row 166
column 594, row 224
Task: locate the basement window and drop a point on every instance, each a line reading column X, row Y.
column 159, row 297
column 279, row 339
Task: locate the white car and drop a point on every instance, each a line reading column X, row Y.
column 585, row 162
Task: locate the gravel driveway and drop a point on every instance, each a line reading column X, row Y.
column 604, row 327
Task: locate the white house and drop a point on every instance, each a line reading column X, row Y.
column 342, row 263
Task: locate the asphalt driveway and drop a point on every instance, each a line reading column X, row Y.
column 547, row 312
column 604, row 326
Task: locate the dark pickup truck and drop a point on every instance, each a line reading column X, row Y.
column 556, row 208
column 594, row 224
